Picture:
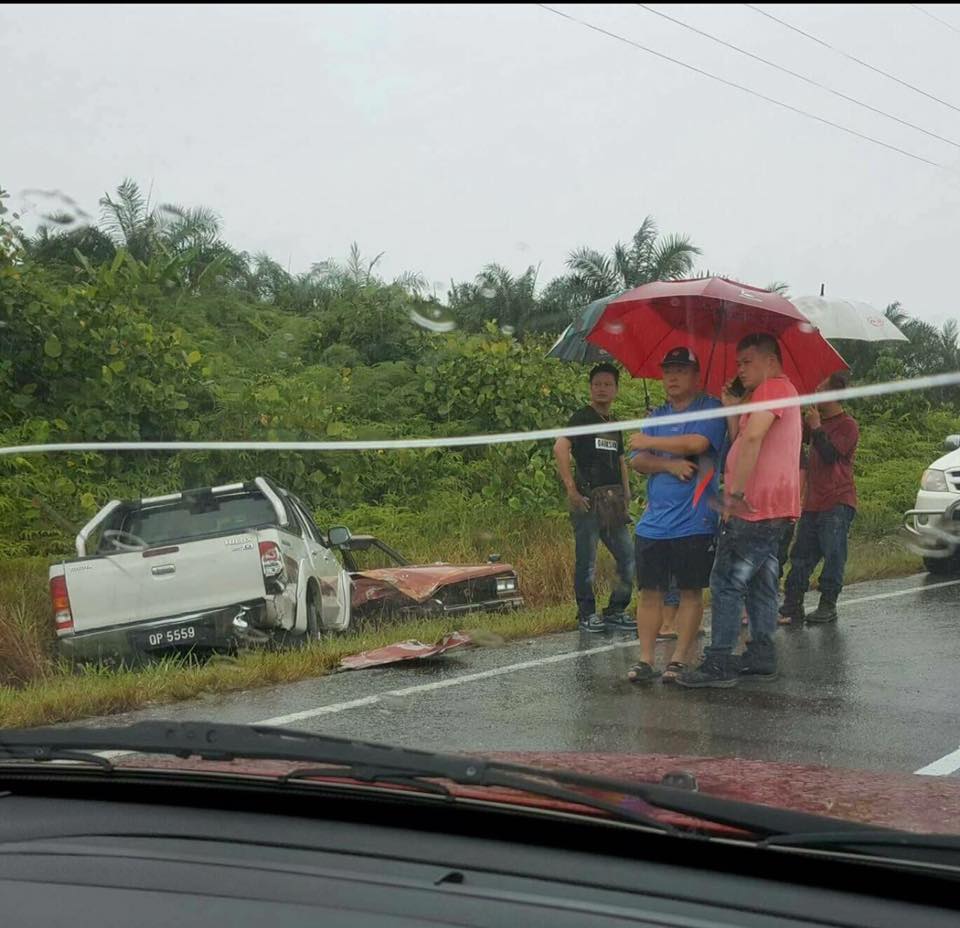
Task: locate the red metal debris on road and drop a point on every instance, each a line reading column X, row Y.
column 405, row 651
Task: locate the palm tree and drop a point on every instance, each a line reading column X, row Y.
column 646, row 258
column 358, row 271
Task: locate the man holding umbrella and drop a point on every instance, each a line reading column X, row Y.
column 761, row 498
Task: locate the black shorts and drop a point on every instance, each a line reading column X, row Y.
column 681, row 563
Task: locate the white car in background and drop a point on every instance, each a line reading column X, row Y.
column 934, row 523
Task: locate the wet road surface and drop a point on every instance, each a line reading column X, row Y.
column 878, row 691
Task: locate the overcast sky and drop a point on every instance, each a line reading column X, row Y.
column 452, row 136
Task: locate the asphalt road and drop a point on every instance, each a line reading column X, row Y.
column 878, row 691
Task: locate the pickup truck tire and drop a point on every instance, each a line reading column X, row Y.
column 313, row 617
column 943, row 566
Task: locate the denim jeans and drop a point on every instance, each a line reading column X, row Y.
column 745, row 572
column 619, row 542
column 820, row 535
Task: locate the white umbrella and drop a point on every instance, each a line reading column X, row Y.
column 848, row 319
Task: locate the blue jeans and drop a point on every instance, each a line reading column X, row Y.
column 820, row 536
column 619, row 542
column 745, row 572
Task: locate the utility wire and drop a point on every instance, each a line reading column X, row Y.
column 741, row 87
column 942, row 22
column 859, row 61
column 802, row 77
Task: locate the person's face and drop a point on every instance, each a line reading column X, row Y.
column 680, row 381
column 753, row 367
column 603, row 389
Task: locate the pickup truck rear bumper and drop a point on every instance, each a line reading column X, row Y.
column 214, row 629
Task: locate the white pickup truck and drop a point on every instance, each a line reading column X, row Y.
column 934, row 523
column 206, row 568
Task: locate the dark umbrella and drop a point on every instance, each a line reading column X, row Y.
column 710, row 316
column 572, row 345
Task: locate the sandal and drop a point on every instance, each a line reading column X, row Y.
column 666, row 636
column 674, row 669
column 642, row 673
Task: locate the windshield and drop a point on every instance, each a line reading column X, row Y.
column 634, row 352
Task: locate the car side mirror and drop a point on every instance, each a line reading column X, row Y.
column 339, row 536
column 952, row 442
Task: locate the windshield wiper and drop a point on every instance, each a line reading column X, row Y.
column 366, row 760
column 900, row 846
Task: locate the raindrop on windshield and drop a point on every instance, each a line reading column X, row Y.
column 507, row 329
column 435, row 322
column 807, row 327
column 488, row 293
column 614, row 328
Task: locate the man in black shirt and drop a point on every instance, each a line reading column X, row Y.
column 598, row 496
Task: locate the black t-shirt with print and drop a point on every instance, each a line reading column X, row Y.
column 597, row 457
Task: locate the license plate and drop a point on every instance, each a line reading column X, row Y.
column 172, row 637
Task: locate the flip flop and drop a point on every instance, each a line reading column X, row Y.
column 642, row 673
column 674, row 669
column 666, row 636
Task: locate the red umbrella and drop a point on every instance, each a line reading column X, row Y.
column 710, row 316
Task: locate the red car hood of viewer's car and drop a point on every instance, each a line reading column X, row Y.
column 892, row 800
column 421, row 582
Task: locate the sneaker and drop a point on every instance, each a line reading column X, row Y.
column 716, row 670
column 621, row 622
column 593, row 625
column 759, row 660
column 825, row 612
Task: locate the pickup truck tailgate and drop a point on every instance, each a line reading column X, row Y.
column 164, row 581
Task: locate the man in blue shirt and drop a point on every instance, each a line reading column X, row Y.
column 676, row 535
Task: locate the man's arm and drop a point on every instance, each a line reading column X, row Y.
column 645, row 463
column 842, row 445
column 561, row 454
column 681, row 445
column 751, row 438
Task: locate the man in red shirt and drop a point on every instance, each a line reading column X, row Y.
column 828, row 510
column 761, row 498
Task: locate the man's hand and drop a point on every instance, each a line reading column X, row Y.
column 727, row 397
column 733, row 504
column 682, row 469
column 639, row 442
column 578, row 502
column 812, row 415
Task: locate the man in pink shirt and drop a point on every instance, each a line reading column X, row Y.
column 761, row 498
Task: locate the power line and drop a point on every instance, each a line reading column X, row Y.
column 859, row 61
column 802, row 77
column 741, row 87
column 942, row 22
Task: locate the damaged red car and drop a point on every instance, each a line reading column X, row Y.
column 387, row 585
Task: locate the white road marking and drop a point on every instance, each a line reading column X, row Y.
column 334, row 708
column 895, row 593
column 942, row 767
column 442, row 684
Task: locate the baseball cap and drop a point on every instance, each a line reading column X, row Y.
column 681, row 356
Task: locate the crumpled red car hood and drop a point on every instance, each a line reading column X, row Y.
column 420, row 582
column 894, row 800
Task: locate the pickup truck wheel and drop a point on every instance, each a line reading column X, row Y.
column 313, row 618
